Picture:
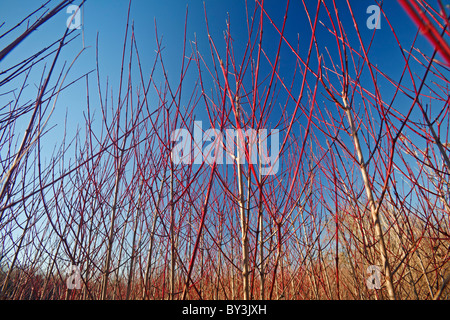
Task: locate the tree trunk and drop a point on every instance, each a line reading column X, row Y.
column 243, row 218
column 373, row 209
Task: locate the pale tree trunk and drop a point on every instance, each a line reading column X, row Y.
column 373, row 208
column 243, row 218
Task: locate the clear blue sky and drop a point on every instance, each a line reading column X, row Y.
column 108, row 18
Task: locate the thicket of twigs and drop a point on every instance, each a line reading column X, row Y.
column 363, row 173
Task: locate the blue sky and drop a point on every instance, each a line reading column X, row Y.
column 108, row 19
